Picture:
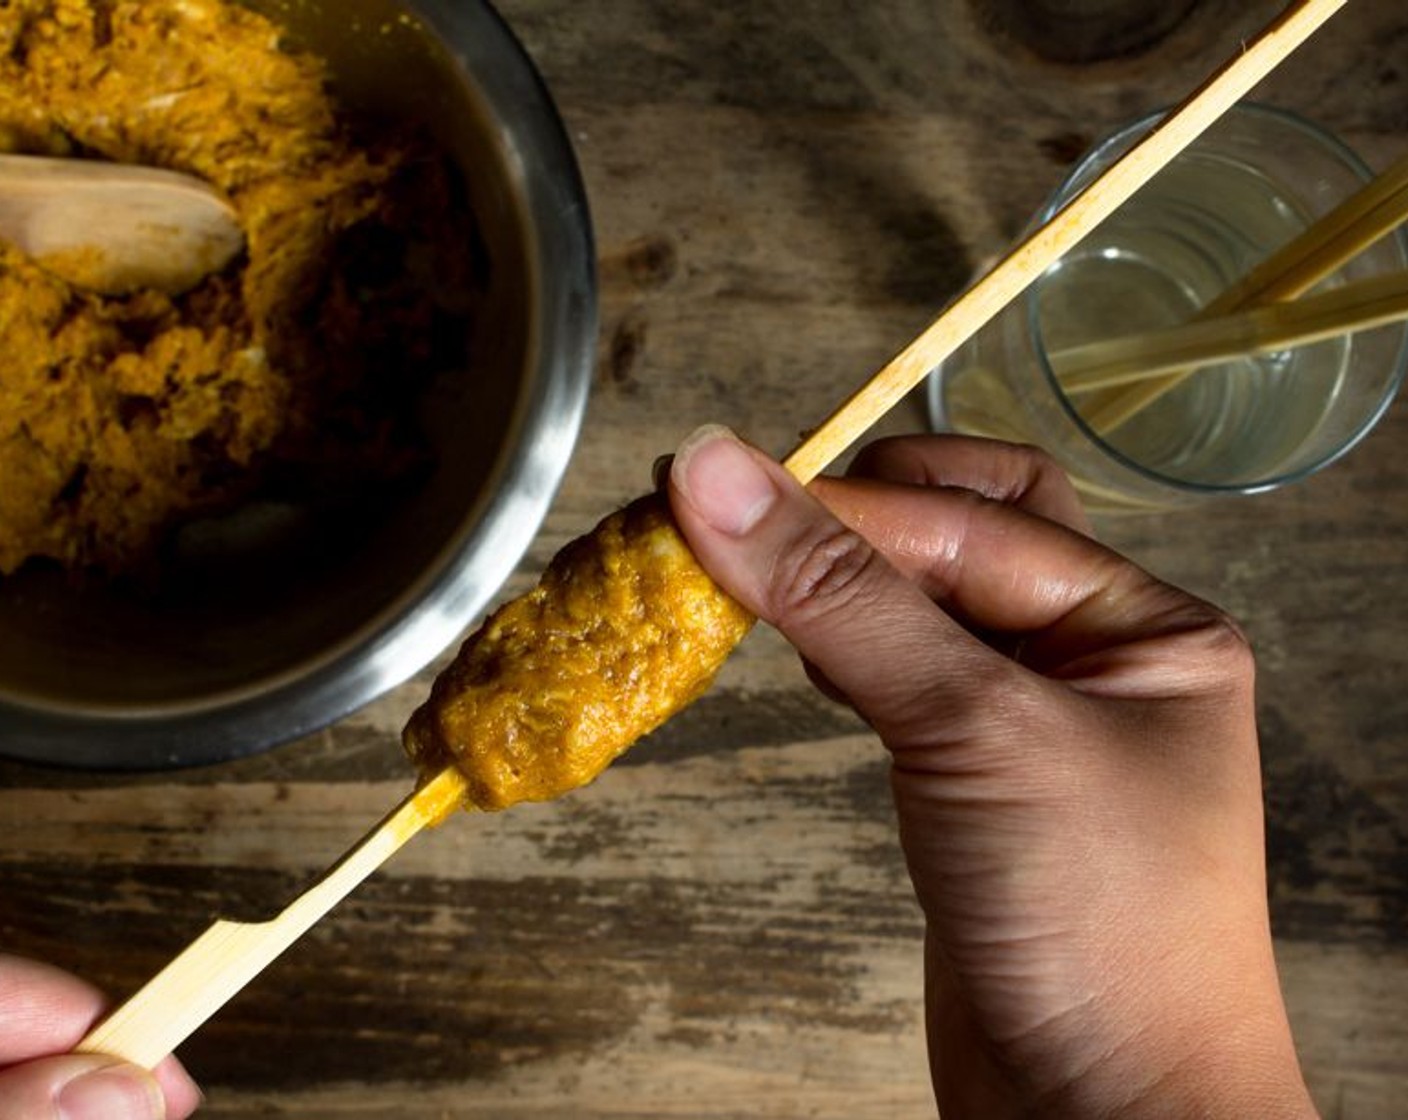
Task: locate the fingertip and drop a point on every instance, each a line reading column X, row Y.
column 44, row 1013
column 183, row 1095
column 111, row 1091
column 45, row 1009
column 80, row 1087
column 725, row 482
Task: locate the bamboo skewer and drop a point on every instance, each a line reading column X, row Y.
column 228, row 955
column 220, row 962
column 1357, row 223
column 1135, row 359
column 975, row 307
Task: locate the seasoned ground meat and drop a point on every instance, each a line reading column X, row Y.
column 623, row 630
column 121, row 416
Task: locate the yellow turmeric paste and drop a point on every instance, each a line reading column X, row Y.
column 297, row 364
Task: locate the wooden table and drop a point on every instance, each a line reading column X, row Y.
column 784, row 193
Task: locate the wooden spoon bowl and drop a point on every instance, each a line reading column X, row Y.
column 114, row 228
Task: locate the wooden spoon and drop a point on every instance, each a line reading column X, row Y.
column 115, row 228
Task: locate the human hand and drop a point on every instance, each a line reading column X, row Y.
column 1075, row 768
column 44, row 1013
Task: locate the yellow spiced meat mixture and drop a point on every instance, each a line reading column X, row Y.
column 623, row 630
column 296, row 368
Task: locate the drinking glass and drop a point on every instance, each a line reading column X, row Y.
column 1252, row 182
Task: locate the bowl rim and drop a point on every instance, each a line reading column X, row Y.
column 419, row 624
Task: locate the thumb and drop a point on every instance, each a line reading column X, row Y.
column 79, row 1087
column 851, row 614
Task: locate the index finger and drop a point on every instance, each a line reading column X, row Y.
column 1015, row 474
column 43, row 1010
column 1000, row 569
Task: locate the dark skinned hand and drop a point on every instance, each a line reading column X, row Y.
column 1075, row 766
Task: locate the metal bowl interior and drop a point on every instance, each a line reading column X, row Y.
column 245, row 646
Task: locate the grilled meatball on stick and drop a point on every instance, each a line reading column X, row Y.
column 623, row 630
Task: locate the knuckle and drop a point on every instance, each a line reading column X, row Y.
column 1038, row 458
column 1039, row 463
column 1213, row 644
column 1034, row 467
column 827, row 573
column 1228, row 643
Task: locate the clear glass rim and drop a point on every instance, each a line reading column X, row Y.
column 1124, row 136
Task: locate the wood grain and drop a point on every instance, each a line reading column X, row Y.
column 721, row 927
column 1083, row 31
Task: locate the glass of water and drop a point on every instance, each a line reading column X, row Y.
column 1253, row 181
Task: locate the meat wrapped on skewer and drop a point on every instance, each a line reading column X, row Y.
column 623, row 630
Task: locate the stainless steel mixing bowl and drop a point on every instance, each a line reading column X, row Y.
column 238, row 653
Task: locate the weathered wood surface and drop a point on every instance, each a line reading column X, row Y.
column 784, row 193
